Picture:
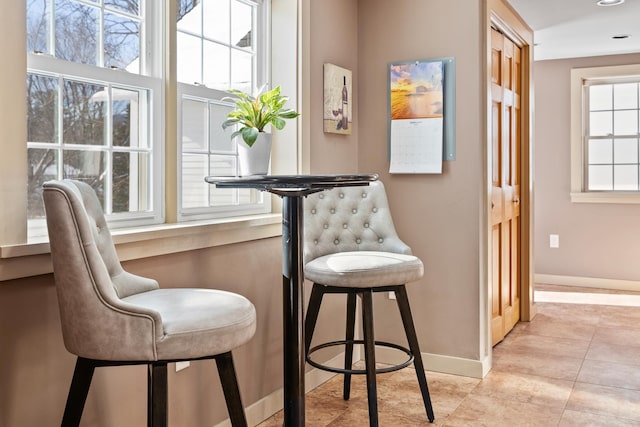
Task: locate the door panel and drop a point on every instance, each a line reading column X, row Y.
column 505, row 190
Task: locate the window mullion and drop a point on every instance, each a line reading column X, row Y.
column 108, row 144
column 51, row 44
column 59, row 127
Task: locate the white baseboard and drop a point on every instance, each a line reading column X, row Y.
column 588, row 282
column 439, row 363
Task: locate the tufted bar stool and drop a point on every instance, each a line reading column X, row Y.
column 111, row 317
column 351, row 247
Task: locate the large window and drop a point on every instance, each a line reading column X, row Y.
column 93, row 105
column 221, row 45
column 96, row 107
column 609, row 134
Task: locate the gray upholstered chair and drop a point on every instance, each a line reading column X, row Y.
column 351, row 247
column 111, row 317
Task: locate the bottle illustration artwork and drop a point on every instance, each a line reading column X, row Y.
column 345, row 104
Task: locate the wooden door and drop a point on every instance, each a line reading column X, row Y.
column 505, row 188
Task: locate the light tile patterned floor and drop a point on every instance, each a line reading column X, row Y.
column 575, row 364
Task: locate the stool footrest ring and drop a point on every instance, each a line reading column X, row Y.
column 359, row 371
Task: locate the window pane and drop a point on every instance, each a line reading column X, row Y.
column 216, row 66
column 625, row 178
column 600, row 97
column 126, row 118
column 37, row 26
column 195, row 191
column 189, row 61
column 600, row 178
column 129, row 6
column 626, row 122
column 194, row 125
column 626, row 151
column 87, row 166
column 42, row 166
column 217, row 18
column 131, row 189
column 625, row 96
column 241, row 70
column 223, row 166
column 121, row 43
column 189, row 17
column 42, row 104
column 600, row 151
column 83, row 117
column 220, row 140
column 76, row 32
column 601, row 123
column 249, row 196
column 242, row 24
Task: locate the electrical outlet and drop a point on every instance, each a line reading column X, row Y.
column 554, row 240
column 182, row 365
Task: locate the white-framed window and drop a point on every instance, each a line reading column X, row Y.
column 606, row 134
column 94, row 105
column 221, row 45
column 97, row 106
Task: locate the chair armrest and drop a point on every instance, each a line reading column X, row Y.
column 397, row 246
column 134, row 284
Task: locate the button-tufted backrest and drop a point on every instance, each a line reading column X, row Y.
column 349, row 219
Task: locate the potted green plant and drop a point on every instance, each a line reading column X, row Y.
column 252, row 115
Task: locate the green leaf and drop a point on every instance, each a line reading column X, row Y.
column 288, row 114
column 278, row 123
column 249, row 135
column 229, row 122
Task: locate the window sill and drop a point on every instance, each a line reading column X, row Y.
column 606, row 197
column 33, row 258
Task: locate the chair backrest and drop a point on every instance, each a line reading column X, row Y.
column 348, row 219
column 89, row 278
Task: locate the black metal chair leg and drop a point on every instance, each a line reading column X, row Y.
column 370, row 356
column 405, row 311
column 227, row 373
column 82, row 375
column 348, row 355
column 315, row 299
column 157, row 394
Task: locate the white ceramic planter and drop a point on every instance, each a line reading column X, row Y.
column 255, row 160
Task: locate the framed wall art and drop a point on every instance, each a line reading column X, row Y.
column 338, row 100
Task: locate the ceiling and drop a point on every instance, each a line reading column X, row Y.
column 577, row 28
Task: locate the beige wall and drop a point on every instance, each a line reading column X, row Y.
column 12, row 111
column 437, row 215
column 333, row 39
column 596, row 240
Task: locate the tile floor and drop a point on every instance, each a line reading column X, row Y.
column 575, row 364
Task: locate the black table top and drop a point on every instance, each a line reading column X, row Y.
column 291, row 184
